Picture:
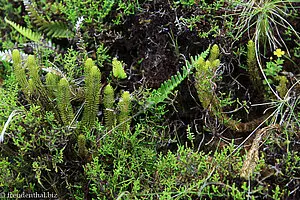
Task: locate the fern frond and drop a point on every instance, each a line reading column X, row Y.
column 108, row 102
column 168, row 86
column 55, row 29
column 36, row 37
column 205, row 53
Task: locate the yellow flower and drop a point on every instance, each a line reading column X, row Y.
column 279, row 53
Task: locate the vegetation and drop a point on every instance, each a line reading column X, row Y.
column 178, row 99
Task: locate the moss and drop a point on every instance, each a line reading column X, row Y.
column 253, row 68
column 51, row 83
column 124, row 106
column 282, row 86
column 19, row 71
column 89, row 63
column 214, row 53
column 63, row 102
column 108, row 102
column 82, row 150
column 118, row 70
column 34, row 72
column 204, row 76
column 92, row 94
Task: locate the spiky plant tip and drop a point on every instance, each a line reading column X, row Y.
column 108, row 89
column 51, row 80
column 34, row 71
column 124, row 103
column 16, row 57
column 89, row 63
column 92, row 95
column 199, row 63
column 118, row 70
column 125, row 107
column 214, row 53
column 95, row 72
column 31, row 62
column 63, row 102
column 126, row 96
column 108, row 102
column 82, row 150
column 81, row 140
column 282, row 86
column 216, row 63
column 18, row 70
column 251, row 57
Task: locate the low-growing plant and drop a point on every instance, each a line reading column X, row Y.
column 266, row 17
column 206, row 74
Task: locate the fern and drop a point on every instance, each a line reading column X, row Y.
column 108, row 102
column 56, row 29
column 168, row 86
column 36, row 37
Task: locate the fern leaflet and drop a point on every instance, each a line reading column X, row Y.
column 169, row 85
column 36, row 37
column 55, row 29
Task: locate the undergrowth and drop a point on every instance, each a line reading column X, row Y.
column 77, row 119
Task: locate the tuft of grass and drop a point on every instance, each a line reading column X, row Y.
column 267, row 17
